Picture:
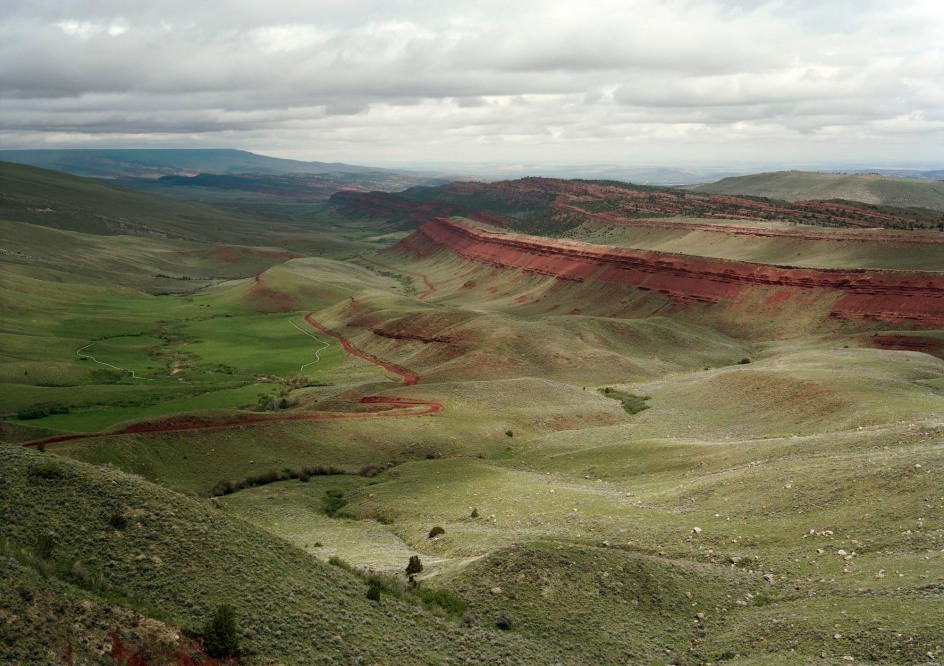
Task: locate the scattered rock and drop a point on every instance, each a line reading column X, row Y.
column 769, row 577
column 696, row 530
column 735, row 559
column 495, row 590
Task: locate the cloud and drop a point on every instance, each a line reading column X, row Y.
column 363, row 80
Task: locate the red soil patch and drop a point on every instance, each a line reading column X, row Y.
column 893, row 296
column 187, row 423
column 933, row 346
column 191, row 654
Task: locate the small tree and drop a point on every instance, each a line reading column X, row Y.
column 415, row 566
column 220, row 635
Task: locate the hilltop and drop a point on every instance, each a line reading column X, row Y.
column 801, row 185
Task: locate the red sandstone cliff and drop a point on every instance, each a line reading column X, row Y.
column 892, row 296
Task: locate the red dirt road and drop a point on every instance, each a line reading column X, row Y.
column 409, row 379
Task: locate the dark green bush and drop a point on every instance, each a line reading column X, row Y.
column 414, row 566
column 333, row 501
column 220, row 634
column 118, row 520
column 374, row 588
column 448, row 601
column 436, row 531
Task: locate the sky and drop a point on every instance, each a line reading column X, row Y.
column 634, row 82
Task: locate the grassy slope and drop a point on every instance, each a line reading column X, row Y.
column 53, row 199
column 799, row 185
column 783, row 250
column 177, row 558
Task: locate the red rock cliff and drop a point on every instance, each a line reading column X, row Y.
column 892, row 296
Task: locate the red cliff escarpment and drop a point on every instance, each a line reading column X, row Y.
column 891, row 296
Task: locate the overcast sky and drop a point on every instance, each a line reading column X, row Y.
column 634, row 82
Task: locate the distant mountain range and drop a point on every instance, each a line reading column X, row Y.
column 154, row 163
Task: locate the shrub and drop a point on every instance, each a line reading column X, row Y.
column 414, row 566
column 336, row 561
column 47, row 469
column 333, row 501
column 220, row 635
column 509, row 433
column 30, row 413
column 448, row 601
column 503, row 622
column 436, row 531
column 475, row 513
column 373, row 590
column 744, row 361
column 118, row 520
column 45, row 545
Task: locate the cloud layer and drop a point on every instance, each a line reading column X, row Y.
column 632, row 82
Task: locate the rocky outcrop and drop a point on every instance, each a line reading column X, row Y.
column 891, row 296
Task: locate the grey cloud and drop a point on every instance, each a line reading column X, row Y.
column 441, row 78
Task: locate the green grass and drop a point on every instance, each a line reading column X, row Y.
column 261, row 344
column 94, row 420
column 795, row 185
column 178, row 559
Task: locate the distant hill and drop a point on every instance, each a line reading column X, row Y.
column 58, row 200
column 153, row 163
column 802, row 185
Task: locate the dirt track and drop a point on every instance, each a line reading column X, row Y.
column 409, row 379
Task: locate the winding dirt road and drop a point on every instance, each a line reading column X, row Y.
column 377, row 406
column 409, row 379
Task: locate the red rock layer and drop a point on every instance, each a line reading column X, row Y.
column 893, row 296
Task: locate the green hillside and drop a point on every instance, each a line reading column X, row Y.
column 79, row 544
column 53, row 199
column 801, row 185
